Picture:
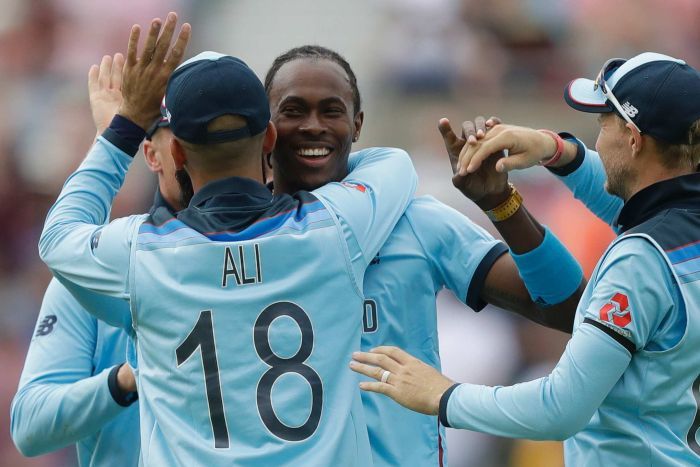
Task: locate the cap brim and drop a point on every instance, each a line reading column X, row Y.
column 580, row 95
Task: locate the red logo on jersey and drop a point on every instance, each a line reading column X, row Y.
column 616, row 311
column 356, row 186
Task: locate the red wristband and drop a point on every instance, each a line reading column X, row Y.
column 559, row 151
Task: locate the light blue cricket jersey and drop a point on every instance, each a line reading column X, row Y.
column 63, row 395
column 246, row 307
column 626, row 389
column 433, row 246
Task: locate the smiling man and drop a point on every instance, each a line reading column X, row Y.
column 316, row 108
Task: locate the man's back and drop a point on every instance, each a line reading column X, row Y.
column 253, row 301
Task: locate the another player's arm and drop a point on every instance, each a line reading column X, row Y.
column 579, row 168
column 59, row 401
column 561, row 404
column 81, row 251
column 371, row 199
column 540, row 280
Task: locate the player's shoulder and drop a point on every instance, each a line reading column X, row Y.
column 634, row 256
column 379, row 150
column 428, row 216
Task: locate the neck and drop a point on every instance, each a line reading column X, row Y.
column 173, row 200
column 654, row 173
column 201, row 178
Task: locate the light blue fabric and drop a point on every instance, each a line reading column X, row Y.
column 63, row 396
column 617, row 408
column 432, row 247
column 536, row 266
column 317, row 268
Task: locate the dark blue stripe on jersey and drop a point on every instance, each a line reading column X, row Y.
column 125, row 399
column 444, row 399
column 684, row 253
column 237, row 209
column 619, row 338
column 473, row 298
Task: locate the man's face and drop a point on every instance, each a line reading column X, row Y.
column 171, row 188
column 312, row 108
column 615, row 154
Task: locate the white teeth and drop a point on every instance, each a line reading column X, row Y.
column 316, row 152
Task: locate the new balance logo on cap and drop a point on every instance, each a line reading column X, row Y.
column 630, row 109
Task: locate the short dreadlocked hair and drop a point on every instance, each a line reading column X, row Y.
column 315, row 52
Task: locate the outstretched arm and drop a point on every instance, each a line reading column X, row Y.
column 80, row 250
column 539, row 279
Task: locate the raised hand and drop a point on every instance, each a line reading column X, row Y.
column 145, row 76
column 105, row 90
column 404, row 378
column 526, row 147
column 486, row 187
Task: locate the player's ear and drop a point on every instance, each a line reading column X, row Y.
column 270, row 138
column 358, row 120
column 149, row 154
column 178, row 152
column 635, row 139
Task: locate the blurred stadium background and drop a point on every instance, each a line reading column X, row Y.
column 416, row 61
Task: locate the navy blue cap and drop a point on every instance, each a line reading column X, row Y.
column 208, row 86
column 660, row 94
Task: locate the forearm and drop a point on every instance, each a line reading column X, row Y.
column 584, row 175
column 47, row 416
column 554, row 407
column 541, row 280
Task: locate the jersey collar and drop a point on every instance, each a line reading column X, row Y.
column 246, row 190
column 160, row 202
column 678, row 192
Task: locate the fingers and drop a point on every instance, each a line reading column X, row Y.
column 452, row 142
column 515, row 162
column 163, row 43
column 378, row 360
column 480, row 123
column 370, row 371
column 150, row 45
column 394, row 353
column 469, row 131
column 492, row 122
column 178, row 50
column 117, row 70
column 105, row 72
column 378, row 387
column 133, row 45
column 93, row 76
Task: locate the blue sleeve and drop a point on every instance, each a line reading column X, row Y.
column 370, row 201
column 82, row 251
column 561, row 404
column 460, row 252
column 550, row 272
column 585, row 177
column 59, row 401
column 635, row 292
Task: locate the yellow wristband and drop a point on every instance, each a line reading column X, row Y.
column 507, row 208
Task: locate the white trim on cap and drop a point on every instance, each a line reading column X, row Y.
column 208, row 55
column 581, row 92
